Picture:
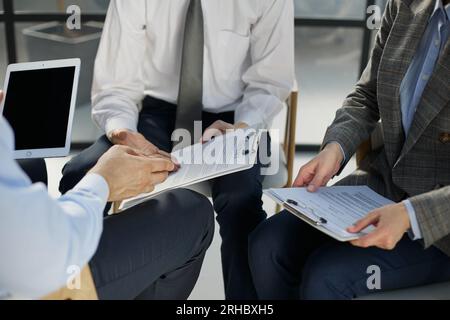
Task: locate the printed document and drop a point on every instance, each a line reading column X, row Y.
column 331, row 209
column 233, row 152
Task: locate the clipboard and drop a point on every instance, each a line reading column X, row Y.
column 249, row 143
column 314, row 220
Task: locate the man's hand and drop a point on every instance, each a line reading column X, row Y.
column 219, row 128
column 137, row 141
column 321, row 169
column 129, row 172
column 391, row 223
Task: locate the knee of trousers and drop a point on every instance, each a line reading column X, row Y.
column 72, row 173
column 197, row 215
column 265, row 245
column 79, row 166
column 239, row 208
column 327, row 276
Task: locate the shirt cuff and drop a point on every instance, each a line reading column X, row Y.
column 95, row 184
column 258, row 111
column 119, row 123
column 253, row 120
column 414, row 232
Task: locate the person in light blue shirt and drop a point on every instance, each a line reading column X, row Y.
column 42, row 238
column 406, row 85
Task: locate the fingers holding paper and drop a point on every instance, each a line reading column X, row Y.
column 390, row 222
column 321, row 169
column 117, row 164
column 135, row 140
column 138, row 142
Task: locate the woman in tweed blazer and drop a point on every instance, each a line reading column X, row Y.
column 406, row 85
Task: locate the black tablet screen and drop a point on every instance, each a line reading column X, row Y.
column 37, row 106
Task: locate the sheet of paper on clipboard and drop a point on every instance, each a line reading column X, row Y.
column 233, row 152
column 331, row 209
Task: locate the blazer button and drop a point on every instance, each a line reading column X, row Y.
column 444, row 137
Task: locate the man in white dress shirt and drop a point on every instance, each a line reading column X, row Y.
column 162, row 65
column 153, row 251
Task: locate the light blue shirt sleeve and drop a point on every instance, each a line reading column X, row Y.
column 41, row 237
column 414, row 233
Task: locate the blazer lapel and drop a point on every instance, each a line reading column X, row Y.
column 435, row 97
column 398, row 54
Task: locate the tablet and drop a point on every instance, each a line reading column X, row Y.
column 39, row 104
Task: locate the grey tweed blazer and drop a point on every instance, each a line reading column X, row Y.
column 416, row 166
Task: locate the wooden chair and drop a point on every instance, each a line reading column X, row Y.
column 289, row 144
column 87, row 289
column 286, row 155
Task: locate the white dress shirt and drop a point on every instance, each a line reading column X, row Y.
column 248, row 58
column 40, row 237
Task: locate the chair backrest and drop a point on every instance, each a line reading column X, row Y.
column 290, row 133
column 86, row 291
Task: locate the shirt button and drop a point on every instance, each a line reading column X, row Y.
column 425, row 77
column 437, row 43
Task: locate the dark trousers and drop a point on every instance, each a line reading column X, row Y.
column 154, row 250
column 237, row 197
column 36, row 169
column 151, row 251
column 291, row 260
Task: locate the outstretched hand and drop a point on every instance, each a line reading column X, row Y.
column 321, row 169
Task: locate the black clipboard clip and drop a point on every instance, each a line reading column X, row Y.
column 291, row 204
column 251, row 149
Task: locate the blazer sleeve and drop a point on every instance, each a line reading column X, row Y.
column 433, row 214
column 357, row 118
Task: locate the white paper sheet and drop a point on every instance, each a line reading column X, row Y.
column 230, row 153
column 339, row 206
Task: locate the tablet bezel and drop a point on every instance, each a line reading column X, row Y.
column 41, row 65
